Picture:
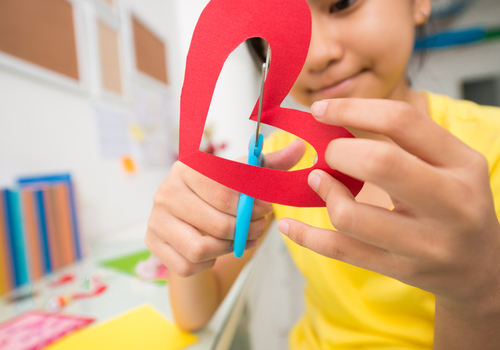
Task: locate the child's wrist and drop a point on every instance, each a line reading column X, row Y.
column 484, row 305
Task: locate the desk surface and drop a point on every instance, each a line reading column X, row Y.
column 124, row 293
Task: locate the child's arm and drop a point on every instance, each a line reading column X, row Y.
column 191, row 230
column 442, row 236
column 195, row 299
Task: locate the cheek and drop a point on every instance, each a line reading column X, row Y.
column 388, row 42
column 392, row 68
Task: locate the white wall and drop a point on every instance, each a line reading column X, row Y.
column 47, row 128
column 236, row 92
column 445, row 70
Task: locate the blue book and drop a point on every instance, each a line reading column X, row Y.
column 54, row 179
column 16, row 233
column 43, row 230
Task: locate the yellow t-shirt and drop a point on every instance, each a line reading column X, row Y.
column 352, row 308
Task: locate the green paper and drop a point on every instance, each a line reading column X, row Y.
column 127, row 263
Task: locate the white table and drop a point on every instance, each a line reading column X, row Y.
column 126, row 292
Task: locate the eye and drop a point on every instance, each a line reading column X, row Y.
column 341, row 5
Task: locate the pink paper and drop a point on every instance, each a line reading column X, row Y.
column 221, row 28
column 36, row 330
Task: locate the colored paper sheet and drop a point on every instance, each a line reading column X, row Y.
column 36, row 330
column 33, row 244
column 142, row 328
column 127, row 263
column 153, row 128
column 6, row 283
column 221, row 28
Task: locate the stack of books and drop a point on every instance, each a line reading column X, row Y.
column 38, row 229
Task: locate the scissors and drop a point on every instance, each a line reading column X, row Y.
column 255, row 157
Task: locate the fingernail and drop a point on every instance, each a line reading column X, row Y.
column 314, row 181
column 318, row 108
column 283, row 227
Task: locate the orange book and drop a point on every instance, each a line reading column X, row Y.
column 5, row 264
column 32, row 235
column 63, row 224
column 52, row 234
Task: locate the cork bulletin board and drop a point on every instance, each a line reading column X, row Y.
column 109, row 2
column 149, row 50
column 40, row 32
column 110, row 58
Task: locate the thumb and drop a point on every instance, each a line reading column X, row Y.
column 287, row 157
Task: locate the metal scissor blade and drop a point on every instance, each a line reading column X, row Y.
column 265, row 69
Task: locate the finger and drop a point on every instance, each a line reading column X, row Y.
column 413, row 131
column 336, row 245
column 221, row 198
column 172, row 259
column 404, row 176
column 206, row 218
column 194, row 210
column 373, row 225
column 285, row 158
column 189, row 242
column 216, row 195
column 261, row 209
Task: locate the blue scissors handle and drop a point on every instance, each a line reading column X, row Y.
column 245, row 203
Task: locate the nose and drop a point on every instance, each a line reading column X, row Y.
column 326, row 47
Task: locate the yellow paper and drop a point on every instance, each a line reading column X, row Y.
column 142, row 328
column 136, row 132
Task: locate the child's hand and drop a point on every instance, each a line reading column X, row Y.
column 443, row 234
column 193, row 217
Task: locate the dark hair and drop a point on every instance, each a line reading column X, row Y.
column 257, row 49
column 421, row 35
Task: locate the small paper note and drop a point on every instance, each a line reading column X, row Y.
column 112, row 126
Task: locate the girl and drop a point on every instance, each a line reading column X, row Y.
column 413, row 261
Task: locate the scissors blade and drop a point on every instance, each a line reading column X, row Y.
column 265, row 69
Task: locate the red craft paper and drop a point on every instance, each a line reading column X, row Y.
column 221, row 28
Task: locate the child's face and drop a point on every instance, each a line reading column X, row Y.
column 359, row 48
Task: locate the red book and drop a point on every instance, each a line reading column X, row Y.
column 63, row 223
column 32, row 234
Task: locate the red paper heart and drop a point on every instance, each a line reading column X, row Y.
column 221, row 28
